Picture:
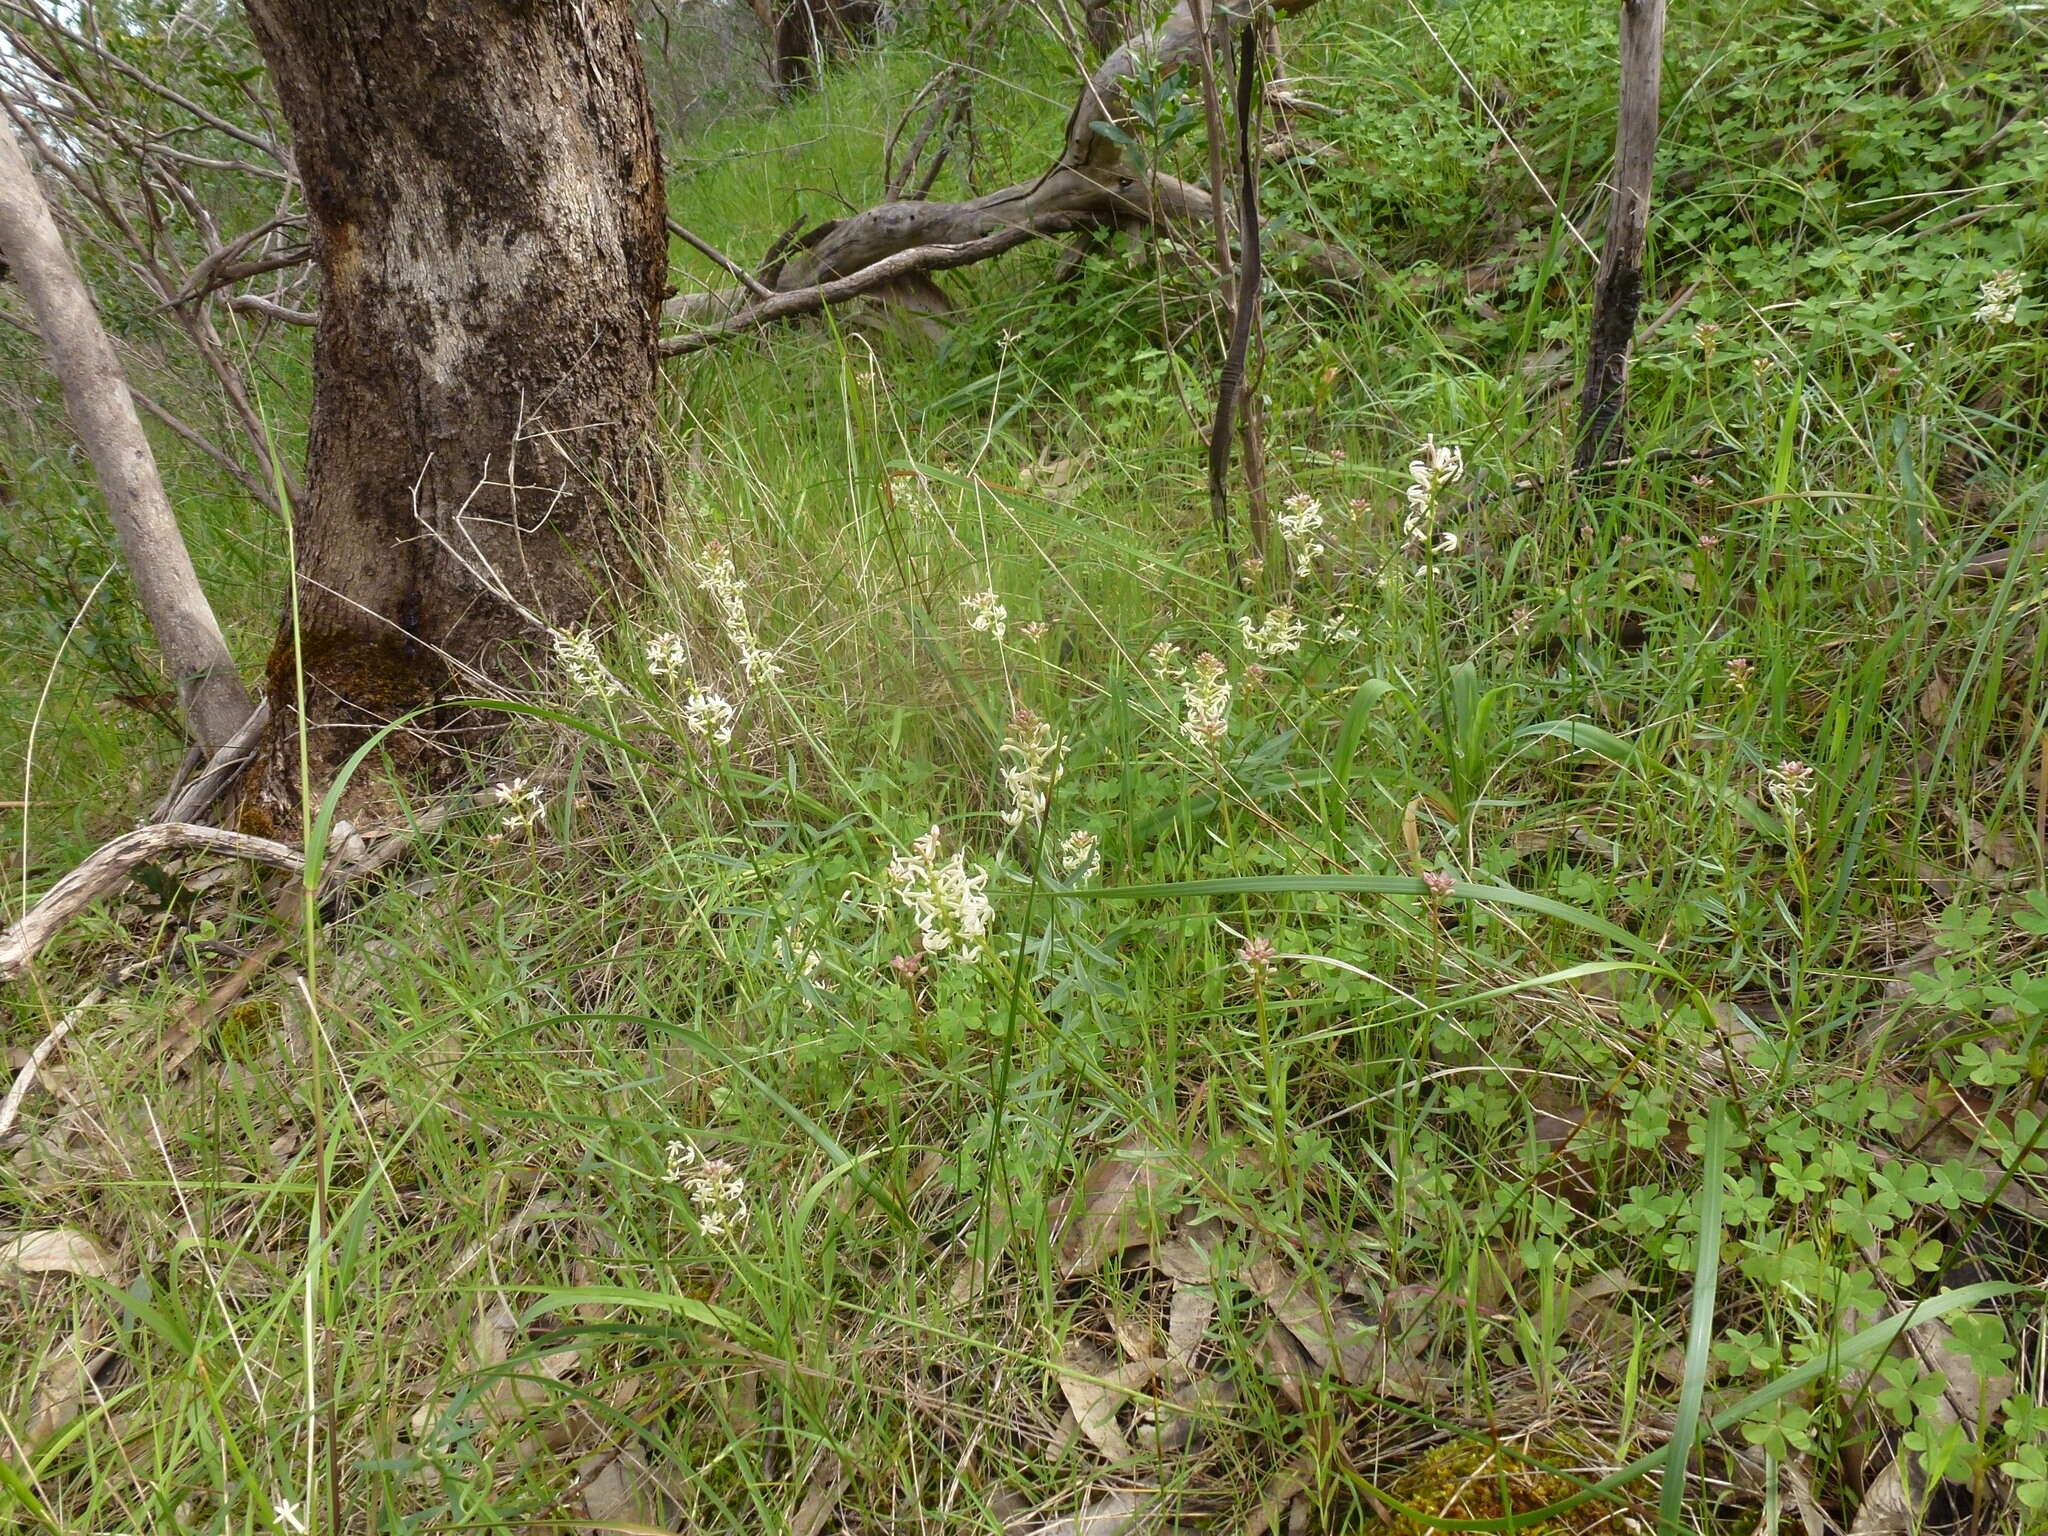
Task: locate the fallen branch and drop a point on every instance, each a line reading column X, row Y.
column 891, row 269
column 25, row 1079
column 1088, row 185
column 112, row 864
column 188, row 802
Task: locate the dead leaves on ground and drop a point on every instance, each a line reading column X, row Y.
column 1180, row 1299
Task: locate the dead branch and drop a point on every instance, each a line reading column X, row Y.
column 188, row 802
column 45, row 1048
column 1089, row 185
column 890, row 269
column 111, row 864
column 704, row 248
column 256, row 304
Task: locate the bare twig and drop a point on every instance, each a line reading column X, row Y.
column 704, row 248
column 111, row 864
column 191, row 801
column 45, row 1048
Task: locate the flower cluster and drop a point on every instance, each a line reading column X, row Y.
column 1433, row 471
column 1999, row 297
column 1277, row 634
column 1031, row 754
column 1707, row 337
column 523, row 804
column 1207, row 700
column 949, row 904
column 1340, row 629
column 713, row 1185
column 1080, row 855
column 1300, row 521
column 720, row 580
column 1164, row 663
column 986, row 614
column 708, row 715
column 667, row 655
column 1790, row 785
column 1259, row 959
column 576, row 651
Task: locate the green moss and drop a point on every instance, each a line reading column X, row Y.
column 1477, row 1480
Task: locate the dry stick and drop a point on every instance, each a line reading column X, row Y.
column 922, row 258
column 191, row 801
column 704, row 248
column 25, row 1079
column 111, row 864
column 1212, row 115
column 1618, row 295
column 96, row 396
column 1246, row 302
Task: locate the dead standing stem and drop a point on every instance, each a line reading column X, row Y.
column 1618, row 294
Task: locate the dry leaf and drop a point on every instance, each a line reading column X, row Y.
column 1286, row 1363
column 1136, row 1336
column 494, row 1337
column 1096, row 1391
column 625, row 1495
column 1194, row 1257
column 1934, row 699
column 1407, row 1332
column 1283, row 1491
column 1176, row 1424
column 1590, row 1312
column 1187, row 1324
column 1119, row 1204
column 1893, row 1503
column 1113, row 1514
column 57, row 1250
column 820, row 1499
column 1950, row 1130
column 2001, row 847
column 63, row 1386
column 1336, row 1336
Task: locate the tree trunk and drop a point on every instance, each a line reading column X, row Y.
column 210, row 691
column 801, row 33
column 1618, row 293
column 485, row 196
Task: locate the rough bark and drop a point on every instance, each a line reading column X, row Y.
column 210, row 691
column 1618, row 292
column 1089, row 184
column 485, row 199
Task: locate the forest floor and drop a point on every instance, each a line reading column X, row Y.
column 1531, row 1001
